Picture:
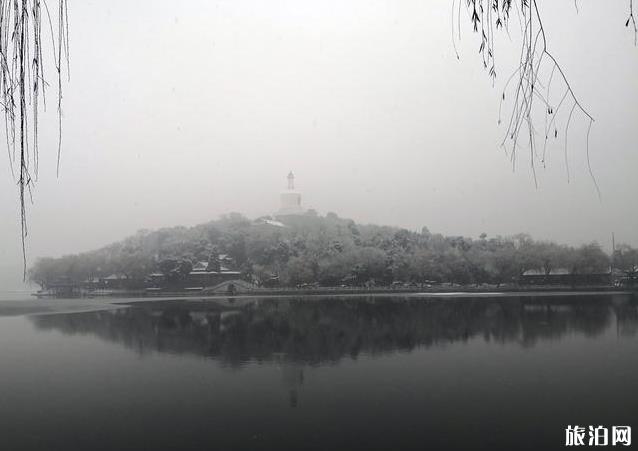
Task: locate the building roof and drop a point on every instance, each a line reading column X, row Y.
column 272, row 222
column 115, row 277
column 215, row 272
column 200, row 266
column 561, row 272
column 553, row 272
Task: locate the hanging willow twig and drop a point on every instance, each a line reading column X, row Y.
column 21, row 84
column 528, row 88
column 632, row 20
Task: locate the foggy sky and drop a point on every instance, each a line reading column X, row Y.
column 177, row 114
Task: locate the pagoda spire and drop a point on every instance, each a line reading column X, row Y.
column 290, row 199
column 291, row 181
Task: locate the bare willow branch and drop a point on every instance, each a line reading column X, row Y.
column 22, row 82
column 528, row 89
column 632, row 20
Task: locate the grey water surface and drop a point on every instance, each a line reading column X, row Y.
column 319, row 373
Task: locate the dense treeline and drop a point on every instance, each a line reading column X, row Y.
column 331, row 251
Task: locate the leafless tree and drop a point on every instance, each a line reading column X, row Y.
column 22, row 83
column 533, row 107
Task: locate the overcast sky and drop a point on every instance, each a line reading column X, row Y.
column 177, row 113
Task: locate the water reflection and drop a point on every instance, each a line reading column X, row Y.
column 413, row 374
column 320, row 331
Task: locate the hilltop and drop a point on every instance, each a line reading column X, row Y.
column 325, row 250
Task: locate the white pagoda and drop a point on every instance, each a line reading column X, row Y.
column 290, row 200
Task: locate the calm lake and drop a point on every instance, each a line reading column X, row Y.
column 355, row 373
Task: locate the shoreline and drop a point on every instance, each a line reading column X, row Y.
column 339, row 291
column 44, row 306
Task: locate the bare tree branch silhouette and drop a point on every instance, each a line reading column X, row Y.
column 529, row 85
column 22, row 82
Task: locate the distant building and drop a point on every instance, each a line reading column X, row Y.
column 270, row 222
column 290, row 200
column 62, row 287
column 210, row 278
column 562, row 276
column 200, row 266
column 202, row 275
column 115, row 281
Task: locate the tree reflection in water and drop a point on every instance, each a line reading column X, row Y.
column 314, row 331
